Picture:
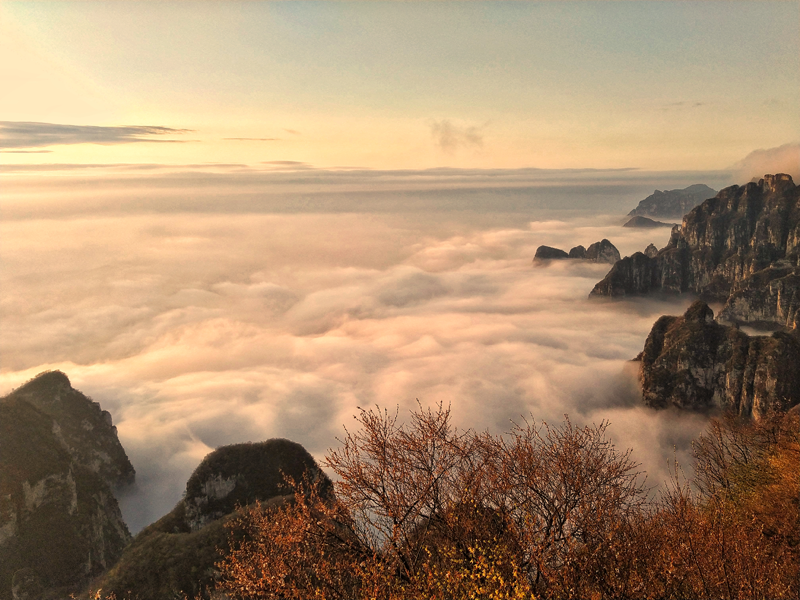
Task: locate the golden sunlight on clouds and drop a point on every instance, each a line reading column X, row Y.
column 197, row 331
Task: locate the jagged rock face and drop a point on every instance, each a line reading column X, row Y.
column 176, row 554
column 673, row 203
column 602, row 252
column 695, row 363
column 721, row 243
column 651, row 251
column 549, row 253
column 60, row 524
column 644, row 222
column 769, row 297
column 85, row 429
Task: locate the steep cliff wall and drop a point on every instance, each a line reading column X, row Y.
column 721, row 249
column 766, row 298
column 694, row 362
column 60, row 524
column 85, row 429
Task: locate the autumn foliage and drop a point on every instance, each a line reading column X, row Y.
column 423, row 510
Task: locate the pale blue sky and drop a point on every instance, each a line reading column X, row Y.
column 415, row 84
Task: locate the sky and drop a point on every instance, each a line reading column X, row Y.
column 401, row 85
column 231, row 221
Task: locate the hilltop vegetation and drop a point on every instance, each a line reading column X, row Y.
column 427, row 511
column 175, row 556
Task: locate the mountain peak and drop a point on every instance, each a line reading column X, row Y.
column 45, row 382
column 777, row 183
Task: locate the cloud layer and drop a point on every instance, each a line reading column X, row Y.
column 198, row 330
column 782, row 159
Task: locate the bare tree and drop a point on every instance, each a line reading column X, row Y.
column 422, row 498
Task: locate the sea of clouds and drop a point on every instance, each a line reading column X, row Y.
column 213, row 309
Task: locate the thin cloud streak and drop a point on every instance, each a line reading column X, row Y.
column 24, row 134
column 247, row 139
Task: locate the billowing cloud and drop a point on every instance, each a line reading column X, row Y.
column 449, row 137
column 24, row 134
column 782, row 159
column 198, row 330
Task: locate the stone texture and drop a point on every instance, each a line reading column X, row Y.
column 693, row 362
column 770, row 297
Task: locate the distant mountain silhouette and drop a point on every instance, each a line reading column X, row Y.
column 673, row 203
column 644, row 222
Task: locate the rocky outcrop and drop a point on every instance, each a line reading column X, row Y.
column 85, row 429
column 673, row 203
column 719, row 246
column 645, row 223
column 60, row 524
column 176, row 554
column 602, row 252
column 549, row 253
column 577, row 252
column 693, row 362
column 651, row 251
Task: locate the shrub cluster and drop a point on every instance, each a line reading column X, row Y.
column 426, row 511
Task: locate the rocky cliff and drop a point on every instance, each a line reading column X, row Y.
column 60, row 524
column 742, row 245
column 176, row 554
column 673, row 203
column 84, row 428
column 767, row 298
column 696, row 363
